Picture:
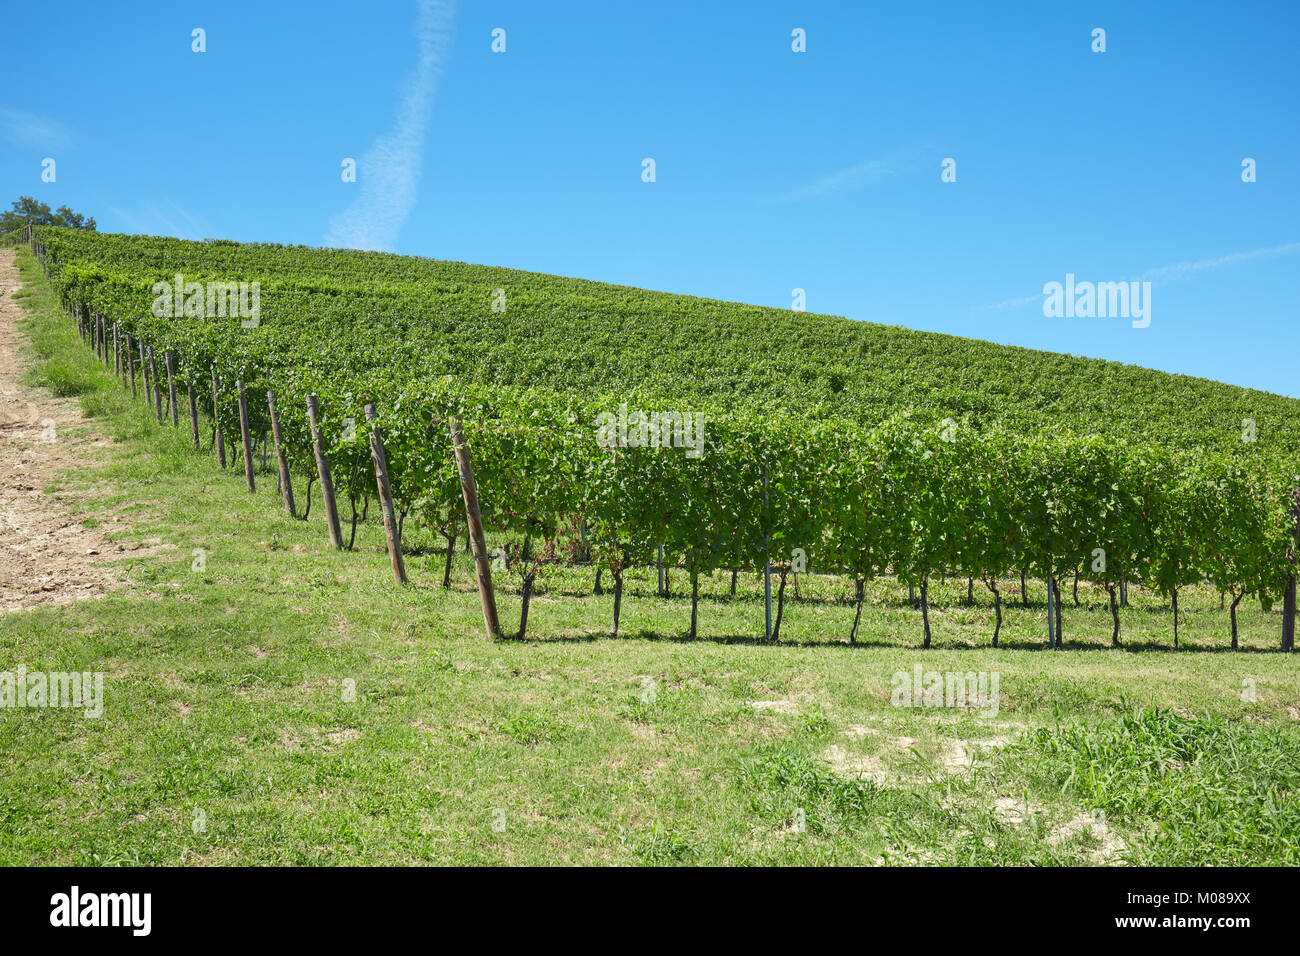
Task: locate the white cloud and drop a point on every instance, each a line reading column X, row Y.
column 851, row 177
column 1012, row 303
column 861, row 175
column 35, row 132
column 153, row 222
column 1170, row 273
column 389, row 172
column 1181, row 270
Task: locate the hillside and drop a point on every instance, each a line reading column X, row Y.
column 283, row 702
column 585, row 337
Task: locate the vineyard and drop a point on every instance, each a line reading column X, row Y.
column 618, row 428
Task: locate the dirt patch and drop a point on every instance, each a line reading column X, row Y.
column 311, row 738
column 775, row 706
column 858, row 766
column 1103, row 843
column 958, row 756
column 1106, row 842
column 860, row 730
column 1014, row 811
column 47, row 556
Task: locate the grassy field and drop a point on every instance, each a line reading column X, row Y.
column 289, row 704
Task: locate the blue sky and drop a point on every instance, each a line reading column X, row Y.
column 774, row 169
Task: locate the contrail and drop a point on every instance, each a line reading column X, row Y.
column 389, row 172
column 1170, row 273
column 1180, row 270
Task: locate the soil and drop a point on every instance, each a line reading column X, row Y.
column 47, row 556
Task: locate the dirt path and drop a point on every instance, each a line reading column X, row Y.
column 46, row 555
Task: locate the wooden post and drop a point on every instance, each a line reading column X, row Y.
column 216, row 422
column 767, row 570
column 244, row 436
column 1052, row 638
column 157, row 384
column 117, row 351
column 194, row 407
column 386, row 497
column 130, row 360
column 171, row 389
column 482, row 569
column 144, row 371
column 1288, row 602
column 323, row 469
column 286, row 489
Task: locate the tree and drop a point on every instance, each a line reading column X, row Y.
column 27, row 211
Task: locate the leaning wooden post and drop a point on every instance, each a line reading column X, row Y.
column 157, row 384
column 220, row 439
column 386, row 497
column 323, row 469
column 130, row 360
column 194, row 407
column 144, row 372
column 171, row 389
column 244, row 436
column 482, row 568
column 1288, row 602
column 286, row 489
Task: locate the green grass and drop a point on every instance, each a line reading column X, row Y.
column 289, row 704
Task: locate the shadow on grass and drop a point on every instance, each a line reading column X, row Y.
column 589, row 637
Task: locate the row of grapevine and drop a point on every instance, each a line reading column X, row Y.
column 506, row 327
column 897, row 497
